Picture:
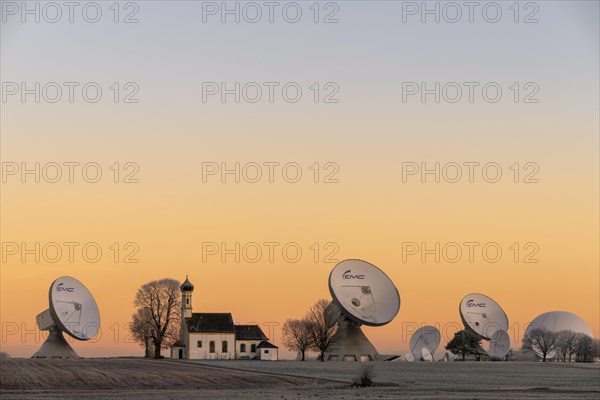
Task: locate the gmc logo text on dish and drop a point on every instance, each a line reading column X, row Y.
column 347, row 275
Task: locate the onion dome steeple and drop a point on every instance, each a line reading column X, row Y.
column 187, row 286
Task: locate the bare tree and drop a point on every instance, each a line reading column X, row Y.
column 141, row 330
column 596, row 348
column 322, row 328
column 541, row 341
column 566, row 344
column 296, row 336
column 585, row 348
column 162, row 300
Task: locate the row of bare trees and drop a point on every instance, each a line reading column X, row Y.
column 156, row 323
column 315, row 332
column 565, row 346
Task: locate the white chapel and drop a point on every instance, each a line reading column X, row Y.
column 214, row 336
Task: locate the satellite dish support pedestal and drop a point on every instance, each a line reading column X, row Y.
column 350, row 341
column 55, row 346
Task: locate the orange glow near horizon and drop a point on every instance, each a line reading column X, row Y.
column 159, row 209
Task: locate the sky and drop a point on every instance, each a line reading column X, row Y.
column 459, row 155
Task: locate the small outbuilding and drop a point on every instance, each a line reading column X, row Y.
column 267, row 351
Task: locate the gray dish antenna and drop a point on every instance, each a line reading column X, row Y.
column 499, row 345
column 427, row 337
column 362, row 295
column 556, row 321
column 482, row 315
column 73, row 310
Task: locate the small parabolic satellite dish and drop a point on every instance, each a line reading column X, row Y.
column 426, row 355
column 427, row 337
column 556, row 321
column 409, row 357
column 72, row 310
column 362, row 295
column 499, row 345
column 482, row 315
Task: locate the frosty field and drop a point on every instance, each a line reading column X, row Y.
column 149, row 379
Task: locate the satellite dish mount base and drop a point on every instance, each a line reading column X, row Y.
column 55, row 346
column 351, row 344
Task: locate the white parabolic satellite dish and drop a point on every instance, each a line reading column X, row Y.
column 499, row 345
column 556, row 321
column 362, row 295
column 72, row 310
column 426, row 354
column 427, row 337
column 482, row 315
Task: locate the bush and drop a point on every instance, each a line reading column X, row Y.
column 365, row 376
column 4, row 355
column 465, row 343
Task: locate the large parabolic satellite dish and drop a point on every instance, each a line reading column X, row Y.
column 482, row 315
column 556, row 321
column 362, row 295
column 72, row 310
